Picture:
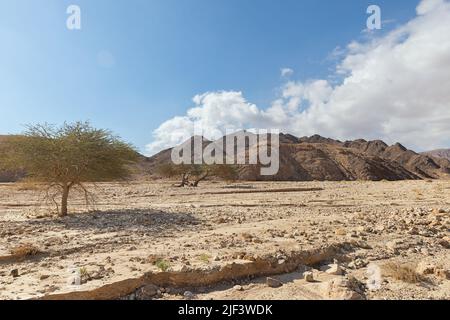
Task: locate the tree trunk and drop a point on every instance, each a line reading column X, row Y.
column 184, row 180
column 65, row 197
column 195, row 184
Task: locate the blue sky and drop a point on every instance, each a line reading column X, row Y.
column 137, row 63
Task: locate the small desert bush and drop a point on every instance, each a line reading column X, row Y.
column 85, row 275
column 204, row 258
column 25, row 250
column 163, row 265
column 401, row 272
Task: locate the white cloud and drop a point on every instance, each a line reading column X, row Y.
column 428, row 6
column 287, row 72
column 214, row 112
column 395, row 88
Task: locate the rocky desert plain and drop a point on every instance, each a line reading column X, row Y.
column 244, row 240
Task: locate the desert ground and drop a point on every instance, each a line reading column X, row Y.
column 287, row 240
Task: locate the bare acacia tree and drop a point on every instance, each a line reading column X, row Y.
column 68, row 157
column 197, row 173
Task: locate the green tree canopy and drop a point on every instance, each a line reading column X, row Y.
column 69, row 156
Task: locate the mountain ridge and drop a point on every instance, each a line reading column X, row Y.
column 326, row 159
column 439, row 153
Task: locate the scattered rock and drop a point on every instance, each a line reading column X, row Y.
column 429, row 268
column 147, row 292
column 97, row 275
column 185, row 268
column 357, row 264
column 445, row 243
column 334, row 269
column 308, row 276
column 394, row 246
column 15, row 273
column 238, row 288
column 340, row 289
column 188, row 295
column 44, row 277
column 442, row 273
column 425, row 268
column 273, row 283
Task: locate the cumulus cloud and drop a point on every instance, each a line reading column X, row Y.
column 214, row 112
column 395, row 88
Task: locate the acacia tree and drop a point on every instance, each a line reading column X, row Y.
column 69, row 156
column 197, row 173
column 171, row 171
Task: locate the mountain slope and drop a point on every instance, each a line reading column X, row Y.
column 440, row 153
column 423, row 165
column 324, row 159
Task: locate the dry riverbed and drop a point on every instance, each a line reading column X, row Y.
column 305, row 240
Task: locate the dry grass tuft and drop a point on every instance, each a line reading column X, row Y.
column 25, row 250
column 405, row 273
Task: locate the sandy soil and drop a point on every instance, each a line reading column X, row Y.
column 219, row 241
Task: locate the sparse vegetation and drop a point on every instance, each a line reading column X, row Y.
column 66, row 158
column 197, row 173
column 205, row 258
column 163, row 265
column 25, row 250
column 401, row 272
column 84, row 275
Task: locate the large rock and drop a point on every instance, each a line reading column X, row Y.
column 273, row 283
column 339, row 289
column 147, row 292
column 334, row 269
column 308, row 276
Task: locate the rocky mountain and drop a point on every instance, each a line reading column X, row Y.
column 440, row 153
column 324, row 159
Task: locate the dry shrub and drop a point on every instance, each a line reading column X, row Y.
column 405, row 273
column 24, row 251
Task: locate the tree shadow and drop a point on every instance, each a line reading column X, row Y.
column 129, row 220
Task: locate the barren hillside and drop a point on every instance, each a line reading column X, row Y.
column 440, row 153
column 324, row 159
